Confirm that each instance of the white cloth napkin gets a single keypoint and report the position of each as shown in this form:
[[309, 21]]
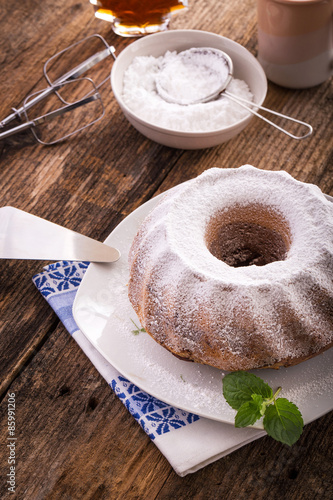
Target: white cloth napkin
[[188, 442]]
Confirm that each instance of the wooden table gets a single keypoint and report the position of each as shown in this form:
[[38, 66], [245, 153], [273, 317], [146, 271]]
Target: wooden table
[[75, 438]]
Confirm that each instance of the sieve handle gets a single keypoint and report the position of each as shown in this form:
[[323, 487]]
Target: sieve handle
[[244, 102]]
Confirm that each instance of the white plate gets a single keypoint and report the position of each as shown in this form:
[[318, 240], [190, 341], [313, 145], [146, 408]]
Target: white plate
[[104, 314]]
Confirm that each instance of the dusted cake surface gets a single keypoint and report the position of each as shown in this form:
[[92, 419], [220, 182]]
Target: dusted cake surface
[[234, 269]]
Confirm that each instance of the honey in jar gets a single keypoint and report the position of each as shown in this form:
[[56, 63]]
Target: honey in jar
[[137, 17]]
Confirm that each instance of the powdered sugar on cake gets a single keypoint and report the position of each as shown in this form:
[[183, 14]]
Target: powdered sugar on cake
[[244, 317]]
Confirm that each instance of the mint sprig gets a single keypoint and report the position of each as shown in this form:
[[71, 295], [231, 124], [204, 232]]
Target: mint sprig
[[253, 399], [137, 328]]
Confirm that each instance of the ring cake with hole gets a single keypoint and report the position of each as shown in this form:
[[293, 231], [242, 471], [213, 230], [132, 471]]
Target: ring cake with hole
[[234, 269]]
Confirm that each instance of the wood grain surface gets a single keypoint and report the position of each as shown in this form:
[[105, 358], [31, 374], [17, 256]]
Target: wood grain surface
[[75, 438]]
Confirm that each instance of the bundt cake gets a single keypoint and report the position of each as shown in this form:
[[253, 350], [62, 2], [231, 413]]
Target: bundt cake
[[234, 269]]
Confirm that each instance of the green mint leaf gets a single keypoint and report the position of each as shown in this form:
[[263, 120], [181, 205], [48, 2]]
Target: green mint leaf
[[238, 388], [257, 399], [247, 414], [260, 402], [283, 421]]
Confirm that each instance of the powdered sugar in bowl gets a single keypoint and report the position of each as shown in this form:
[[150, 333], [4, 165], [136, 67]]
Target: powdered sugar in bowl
[[204, 125]]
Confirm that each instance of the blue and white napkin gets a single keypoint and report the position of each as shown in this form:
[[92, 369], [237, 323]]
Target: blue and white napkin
[[188, 442]]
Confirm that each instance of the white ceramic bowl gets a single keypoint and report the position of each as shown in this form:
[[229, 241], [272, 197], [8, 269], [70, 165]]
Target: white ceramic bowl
[[246, 68]]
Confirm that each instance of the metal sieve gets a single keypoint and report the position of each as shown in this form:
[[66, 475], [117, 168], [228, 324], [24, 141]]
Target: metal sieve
[[217, 67]]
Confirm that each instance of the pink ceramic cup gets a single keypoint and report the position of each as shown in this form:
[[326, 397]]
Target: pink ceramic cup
[[295, 41]]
